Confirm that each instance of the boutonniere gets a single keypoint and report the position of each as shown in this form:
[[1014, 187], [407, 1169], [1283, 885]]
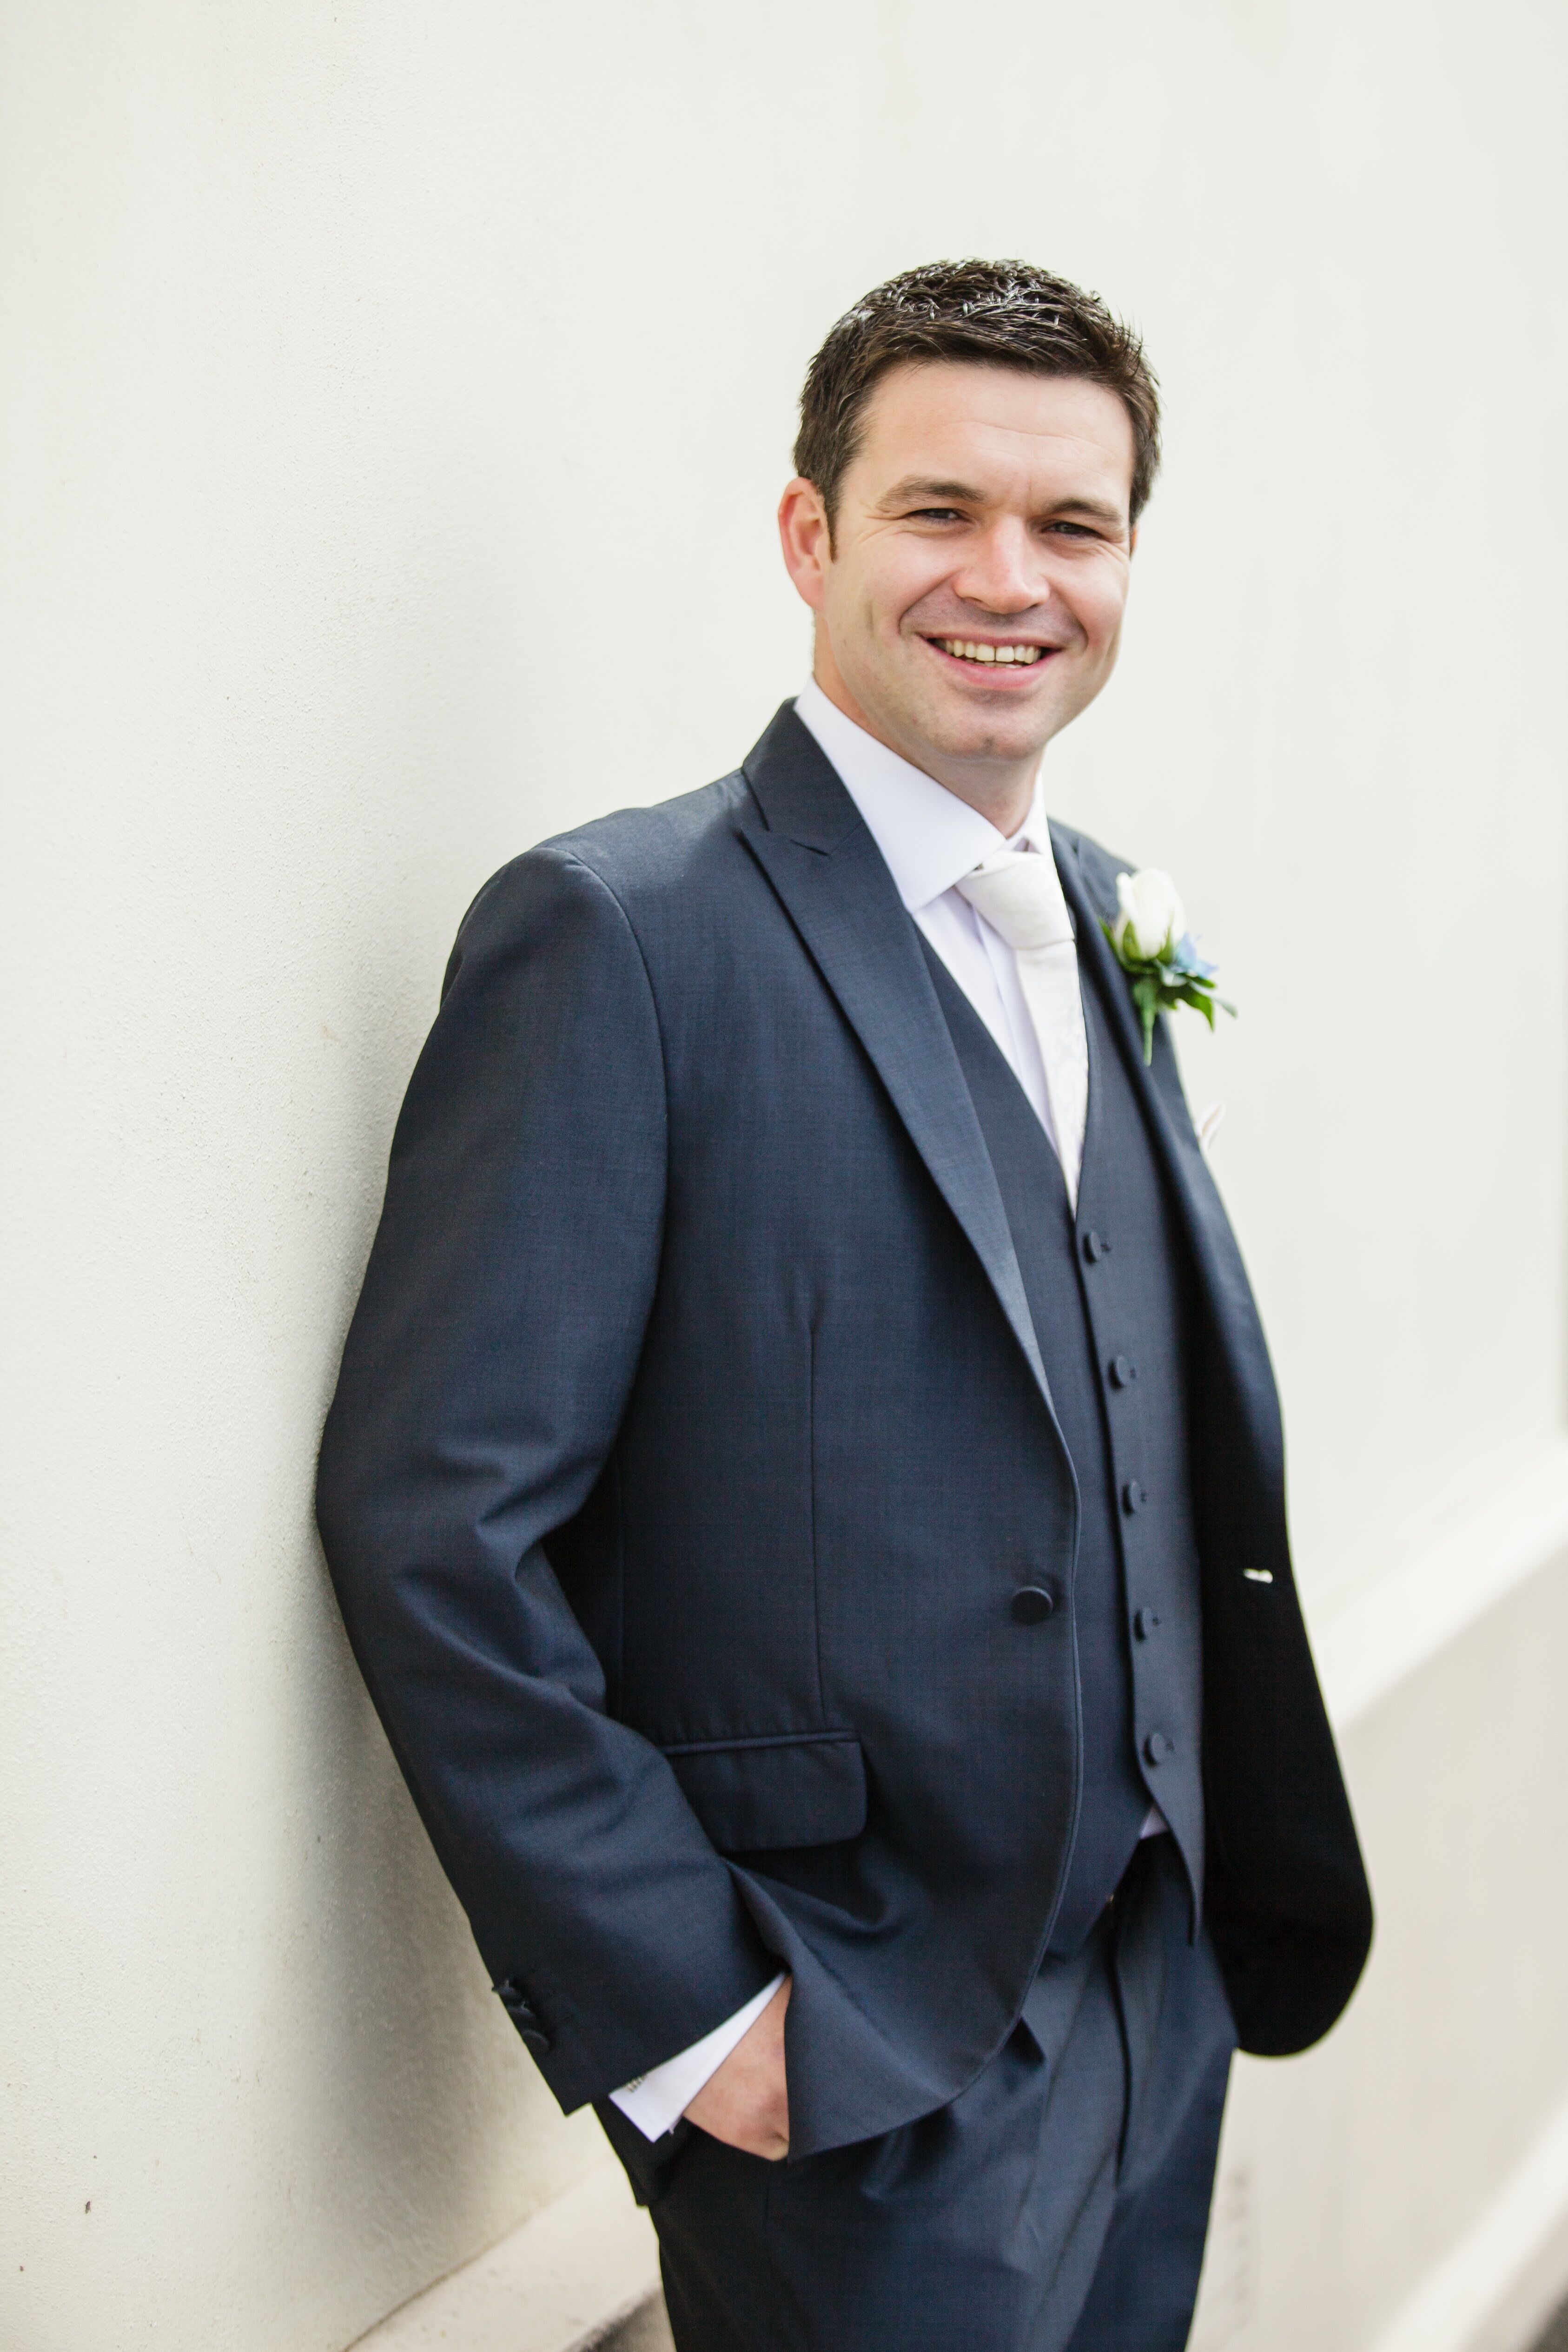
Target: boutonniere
[[1151, 941]]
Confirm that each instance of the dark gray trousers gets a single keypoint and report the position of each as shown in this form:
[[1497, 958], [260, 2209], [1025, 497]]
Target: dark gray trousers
[[1059, 2205]]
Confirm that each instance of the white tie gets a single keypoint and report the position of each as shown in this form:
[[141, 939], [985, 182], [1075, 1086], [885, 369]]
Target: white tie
[[1019, 894]]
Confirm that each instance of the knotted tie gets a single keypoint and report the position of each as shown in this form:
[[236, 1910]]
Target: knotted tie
[[1019, 894]]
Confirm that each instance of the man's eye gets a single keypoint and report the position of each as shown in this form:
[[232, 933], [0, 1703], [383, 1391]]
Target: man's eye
[[1074, 530], [936, 514]]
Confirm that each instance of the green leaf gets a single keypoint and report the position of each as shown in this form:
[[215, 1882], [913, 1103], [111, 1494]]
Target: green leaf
[[1158, 986]]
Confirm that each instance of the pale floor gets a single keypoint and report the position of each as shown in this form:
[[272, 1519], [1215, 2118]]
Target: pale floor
[[649, 2332]]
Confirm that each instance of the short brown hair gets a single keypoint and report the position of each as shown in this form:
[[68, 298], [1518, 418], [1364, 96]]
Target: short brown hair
[[1000, 313]]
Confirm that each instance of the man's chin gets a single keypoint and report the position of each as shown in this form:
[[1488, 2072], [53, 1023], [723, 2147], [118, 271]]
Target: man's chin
[[961, 729], [967, 736]]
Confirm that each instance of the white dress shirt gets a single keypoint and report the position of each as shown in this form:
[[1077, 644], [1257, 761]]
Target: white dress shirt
[[930, 839]]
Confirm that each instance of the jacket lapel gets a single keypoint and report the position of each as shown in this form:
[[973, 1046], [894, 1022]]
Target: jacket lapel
[[1091, 896], [810, 842]]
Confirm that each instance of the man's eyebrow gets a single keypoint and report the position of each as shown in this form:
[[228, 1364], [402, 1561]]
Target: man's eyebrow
[[1098, 509], [920, 488]]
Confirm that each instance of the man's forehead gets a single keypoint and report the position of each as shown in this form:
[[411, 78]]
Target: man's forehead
[[935, 422]]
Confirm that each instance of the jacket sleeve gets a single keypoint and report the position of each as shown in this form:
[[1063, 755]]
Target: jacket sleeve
[[483, 1380]]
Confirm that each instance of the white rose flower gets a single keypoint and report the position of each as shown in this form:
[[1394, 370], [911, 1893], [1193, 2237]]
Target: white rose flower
[[1151, 910]]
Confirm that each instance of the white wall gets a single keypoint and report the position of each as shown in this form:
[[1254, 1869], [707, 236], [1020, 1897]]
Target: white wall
[[394, 402]]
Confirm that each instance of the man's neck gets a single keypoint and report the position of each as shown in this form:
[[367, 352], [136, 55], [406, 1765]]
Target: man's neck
[[1002, 792]]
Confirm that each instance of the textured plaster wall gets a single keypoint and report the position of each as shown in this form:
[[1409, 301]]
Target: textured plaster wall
[[1349, 2174], [393, 401]]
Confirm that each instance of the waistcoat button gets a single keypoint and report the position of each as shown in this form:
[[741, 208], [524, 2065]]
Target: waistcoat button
[[1156, 1747], [535, 2041], [1133, 1497], [1123, 1372], [1095, 1247], [1144, 1623], [1032, 1604]]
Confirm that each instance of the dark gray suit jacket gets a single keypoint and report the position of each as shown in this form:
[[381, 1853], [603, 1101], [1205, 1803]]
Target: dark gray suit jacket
[[691, 1440]]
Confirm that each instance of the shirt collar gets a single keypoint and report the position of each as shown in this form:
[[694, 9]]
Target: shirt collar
[[929, 838]]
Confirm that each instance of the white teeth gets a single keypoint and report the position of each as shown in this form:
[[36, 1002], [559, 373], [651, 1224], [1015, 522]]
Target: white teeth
[[963, 650]]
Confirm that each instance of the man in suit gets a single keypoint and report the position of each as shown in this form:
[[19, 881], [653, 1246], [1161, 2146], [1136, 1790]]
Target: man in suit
[[806, 1487]]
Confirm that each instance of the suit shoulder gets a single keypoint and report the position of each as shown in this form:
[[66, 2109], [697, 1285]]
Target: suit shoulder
[[639, 856], [641, 851]]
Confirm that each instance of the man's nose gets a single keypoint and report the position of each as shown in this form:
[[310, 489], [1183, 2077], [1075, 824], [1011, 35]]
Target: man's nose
[[1004, 571]]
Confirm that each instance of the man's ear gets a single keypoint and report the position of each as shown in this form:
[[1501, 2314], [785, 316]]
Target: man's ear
[[1132, 540], [806, 539]]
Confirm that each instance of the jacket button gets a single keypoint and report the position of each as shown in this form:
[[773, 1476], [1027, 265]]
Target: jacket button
[[1133, 1497], [1095, 1247], [1123, 1372], [520, 2010], [1032, 1604], [1156, 1747], [1144, 1623], [534, 2040]]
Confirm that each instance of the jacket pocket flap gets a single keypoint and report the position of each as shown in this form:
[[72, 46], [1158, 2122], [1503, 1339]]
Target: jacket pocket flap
[[755, 1794]]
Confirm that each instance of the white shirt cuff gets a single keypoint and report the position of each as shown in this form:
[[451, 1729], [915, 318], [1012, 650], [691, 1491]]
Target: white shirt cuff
[[657, 2100]]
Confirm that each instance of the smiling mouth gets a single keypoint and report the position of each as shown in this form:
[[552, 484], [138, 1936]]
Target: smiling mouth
[[980, 653]]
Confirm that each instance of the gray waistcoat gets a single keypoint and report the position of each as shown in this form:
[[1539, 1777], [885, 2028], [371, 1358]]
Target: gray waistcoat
[[1108, 1297]]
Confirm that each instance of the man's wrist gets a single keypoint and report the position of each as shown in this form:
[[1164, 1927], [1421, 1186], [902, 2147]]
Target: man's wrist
[[656, 2101]]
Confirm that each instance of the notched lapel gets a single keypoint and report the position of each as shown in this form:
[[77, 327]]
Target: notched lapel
[[829, 874], [1214, 1244]]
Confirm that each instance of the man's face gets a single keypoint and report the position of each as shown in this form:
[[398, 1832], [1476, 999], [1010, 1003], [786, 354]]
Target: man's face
[[971, 602]]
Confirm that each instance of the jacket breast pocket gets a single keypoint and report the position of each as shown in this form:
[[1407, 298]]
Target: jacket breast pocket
[[751, 1795]]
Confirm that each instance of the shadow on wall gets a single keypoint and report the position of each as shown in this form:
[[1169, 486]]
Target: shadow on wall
[[647, 2330]]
